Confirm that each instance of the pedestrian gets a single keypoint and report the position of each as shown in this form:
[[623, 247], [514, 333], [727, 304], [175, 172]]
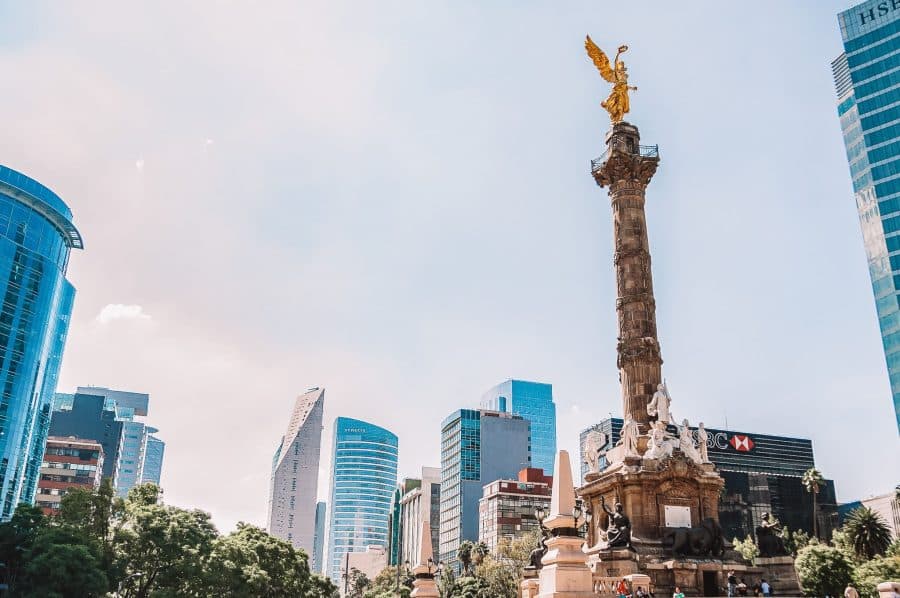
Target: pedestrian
[[678, 593], [850, 592], [742, 588], [765, 587], [622, 589], [756, 589], [732, 584]]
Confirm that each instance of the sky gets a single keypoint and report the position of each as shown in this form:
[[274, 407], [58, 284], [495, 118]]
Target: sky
[[393, 201]]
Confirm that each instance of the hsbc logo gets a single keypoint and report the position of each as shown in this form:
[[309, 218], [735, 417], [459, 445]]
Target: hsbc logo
[[741, 443]]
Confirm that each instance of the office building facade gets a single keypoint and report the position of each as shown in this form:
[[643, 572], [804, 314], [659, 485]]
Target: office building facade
[[68, 463], [139, 455], [507, 508], [315, 558], [477, 446], [867, 81], [363, 480], [534, 402], [420, 499], [87, 417], [36, 236], [887, 506], [294, 482], [763, 474]]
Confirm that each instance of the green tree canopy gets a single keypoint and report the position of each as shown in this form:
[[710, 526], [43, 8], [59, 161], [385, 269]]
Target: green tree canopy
[[868, 575], [823, 570]]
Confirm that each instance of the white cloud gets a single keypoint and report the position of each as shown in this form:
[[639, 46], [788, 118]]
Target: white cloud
[[118, 311], [139, 164]]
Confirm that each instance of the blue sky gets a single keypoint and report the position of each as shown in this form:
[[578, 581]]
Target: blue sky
[[393, 201]]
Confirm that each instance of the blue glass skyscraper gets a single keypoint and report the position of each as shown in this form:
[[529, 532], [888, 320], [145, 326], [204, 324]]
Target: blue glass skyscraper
[[363, 479], [534, 402], [36, 234], [867, 80]]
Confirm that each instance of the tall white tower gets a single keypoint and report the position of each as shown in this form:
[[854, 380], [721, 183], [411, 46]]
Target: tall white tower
[[295, 474]]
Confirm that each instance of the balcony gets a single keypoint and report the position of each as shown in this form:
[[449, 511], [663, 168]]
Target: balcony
[[644, 151]]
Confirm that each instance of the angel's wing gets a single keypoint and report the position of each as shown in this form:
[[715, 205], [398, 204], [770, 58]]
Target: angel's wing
[[601, 61]]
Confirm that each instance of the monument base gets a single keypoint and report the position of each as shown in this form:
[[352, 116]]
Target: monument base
[[530, 586], [565, 573], [779, 571]]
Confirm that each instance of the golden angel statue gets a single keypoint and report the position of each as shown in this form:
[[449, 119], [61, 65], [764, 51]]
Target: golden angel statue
[[617, 103]]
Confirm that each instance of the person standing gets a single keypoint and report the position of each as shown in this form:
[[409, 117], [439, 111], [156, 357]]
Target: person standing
[[851, 592], [678, 593], [766, 588], [622, 589], [732, 584]]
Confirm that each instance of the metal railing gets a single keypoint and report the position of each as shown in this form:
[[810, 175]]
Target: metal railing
[[645, 151]]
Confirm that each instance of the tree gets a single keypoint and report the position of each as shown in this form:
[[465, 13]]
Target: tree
[[17, 537], [250, 562], [385, 584], [162, 550], [464, 555], [747, 548], [794, 540], [823, 570], [62, 563], [813, 481], [868, 575], [867, 532], [358, 583], [471, 587], [479, 551], [503, 571]]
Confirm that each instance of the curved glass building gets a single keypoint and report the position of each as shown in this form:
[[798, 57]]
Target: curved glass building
[[363, 479], [36, 234]]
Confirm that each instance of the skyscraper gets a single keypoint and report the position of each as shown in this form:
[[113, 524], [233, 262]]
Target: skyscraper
[[295, 473], [132, 454], [363, 479], [36, 235], [867, 81], [88, 417], [534, 402], [477, 447]]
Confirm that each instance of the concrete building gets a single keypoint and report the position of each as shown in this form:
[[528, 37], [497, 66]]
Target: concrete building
[[363, 480], [36, 236], [762, 474], [867, 82], [87, 417], [369, 562], [138, 459], [507, 507], [319, 539], [294, 481], [68, 463], [534, 402], [886, 505], [423, 501], [477, 446]]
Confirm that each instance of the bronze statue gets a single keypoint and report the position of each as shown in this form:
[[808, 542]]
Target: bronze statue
[[703, 540], [536, 557], [618, 532], [617, 104], [769, 538]]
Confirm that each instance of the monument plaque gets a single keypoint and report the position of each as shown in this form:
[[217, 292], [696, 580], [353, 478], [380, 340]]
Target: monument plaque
[[678, 516]]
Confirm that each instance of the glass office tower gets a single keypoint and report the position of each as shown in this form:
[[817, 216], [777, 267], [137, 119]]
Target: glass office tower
[[867, 80], [534, 402], [363, 479], [36, 234]]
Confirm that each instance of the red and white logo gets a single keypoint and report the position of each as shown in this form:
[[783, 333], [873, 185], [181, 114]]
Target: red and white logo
[[741, 443]]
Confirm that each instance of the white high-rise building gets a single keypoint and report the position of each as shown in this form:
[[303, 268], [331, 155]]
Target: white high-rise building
[[295, 474]]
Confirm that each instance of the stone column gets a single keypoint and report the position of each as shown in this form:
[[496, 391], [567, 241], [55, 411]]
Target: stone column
[[565, 572], [626, 169]]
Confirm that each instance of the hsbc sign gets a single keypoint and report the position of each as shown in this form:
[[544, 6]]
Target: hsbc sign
[[738, 442]]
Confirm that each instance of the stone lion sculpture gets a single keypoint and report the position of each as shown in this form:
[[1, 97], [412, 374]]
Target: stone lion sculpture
[[703, 540]]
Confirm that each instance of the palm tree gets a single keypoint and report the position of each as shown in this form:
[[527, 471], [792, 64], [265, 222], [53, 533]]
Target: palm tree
[[479, 551], [867, 532], [464, 554], [813, 481]]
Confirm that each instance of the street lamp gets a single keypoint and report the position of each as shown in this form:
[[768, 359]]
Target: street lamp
[[540, 514]]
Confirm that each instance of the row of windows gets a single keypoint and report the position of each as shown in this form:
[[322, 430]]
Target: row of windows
[[75, 466], [876, 68], [875, 36], [880, 118], [876, 51]]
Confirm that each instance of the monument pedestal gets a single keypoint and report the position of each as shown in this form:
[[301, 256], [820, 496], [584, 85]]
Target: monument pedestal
[[530, 586], [565, 573], [779, 571]]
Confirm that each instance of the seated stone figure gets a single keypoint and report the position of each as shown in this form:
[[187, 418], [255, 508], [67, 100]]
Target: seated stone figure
[[618, 532], [769, 539]]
